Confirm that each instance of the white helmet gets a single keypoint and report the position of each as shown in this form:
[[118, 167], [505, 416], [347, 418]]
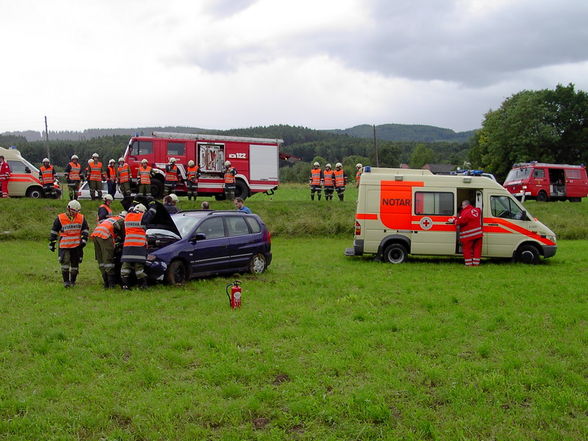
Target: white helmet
[[140, 208], [328, 166], [89, 161], [338, 164], [172, 160], [121, 159], [111, 161], [95, 155], [74, 157], [108, 197], [173, 197], [316, 164], [143, 161], [190, 163], [74, 205], [45, 160], [358, 165], [123, 213], [227, 163]]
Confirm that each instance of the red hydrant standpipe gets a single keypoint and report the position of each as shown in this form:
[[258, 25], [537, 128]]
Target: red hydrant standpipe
[[235, 294]]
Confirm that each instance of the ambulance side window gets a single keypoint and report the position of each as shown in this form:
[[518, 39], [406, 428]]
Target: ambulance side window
[[433, 203], [16, 166], [505, 207]]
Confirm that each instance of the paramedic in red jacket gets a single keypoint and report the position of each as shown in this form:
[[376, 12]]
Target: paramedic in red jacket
[[470, 233]]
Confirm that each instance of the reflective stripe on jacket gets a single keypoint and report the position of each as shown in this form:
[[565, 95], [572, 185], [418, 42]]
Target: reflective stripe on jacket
[[329, 178], [71, 230], [74, 172], [105, 229], [171, 173], [357, 176], [124, 173], [144, 175], [47, 174], [192, 173], [108, 211], [135, 235], [95, 171], [111, 173], [470, 222], [339, 178], [315, 176], [230, 176]]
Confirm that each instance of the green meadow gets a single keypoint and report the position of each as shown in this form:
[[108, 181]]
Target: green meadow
[[325, 347]]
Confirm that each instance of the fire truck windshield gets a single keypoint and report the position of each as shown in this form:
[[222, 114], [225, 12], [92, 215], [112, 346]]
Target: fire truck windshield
[[518, 174]]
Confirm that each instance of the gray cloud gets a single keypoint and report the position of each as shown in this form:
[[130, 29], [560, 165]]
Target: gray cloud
[[224, 8]]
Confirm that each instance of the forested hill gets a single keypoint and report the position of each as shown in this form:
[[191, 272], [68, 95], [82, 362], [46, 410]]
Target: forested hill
[[290, 134], [407, 132]]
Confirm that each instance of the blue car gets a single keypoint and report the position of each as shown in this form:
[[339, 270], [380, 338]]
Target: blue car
[[201, 243]]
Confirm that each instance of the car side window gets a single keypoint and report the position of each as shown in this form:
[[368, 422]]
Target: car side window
[[213, 228], [237, 226], [253, 224]]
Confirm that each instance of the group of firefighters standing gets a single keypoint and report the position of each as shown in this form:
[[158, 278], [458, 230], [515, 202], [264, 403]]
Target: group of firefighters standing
[[330, 180]]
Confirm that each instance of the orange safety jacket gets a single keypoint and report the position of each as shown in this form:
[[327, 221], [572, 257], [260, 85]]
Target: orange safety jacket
[[71, 230], [111, 173], [108, 211], [315, 176], [470, 223], [124, 173], [74, 172], [171, 173], [47, 174], [105, 229], [135, 235], [192, 173], [339, 178], [357, 176], [144, 175], [329, 178], [230, 175], [95, 171]]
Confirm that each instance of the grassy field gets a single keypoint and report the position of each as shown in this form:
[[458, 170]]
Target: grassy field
[[325, 348]]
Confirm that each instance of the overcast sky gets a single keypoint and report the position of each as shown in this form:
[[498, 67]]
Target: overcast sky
[[315, 63]]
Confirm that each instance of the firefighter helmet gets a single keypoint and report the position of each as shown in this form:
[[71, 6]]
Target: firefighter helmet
[[95, 155], [358, 165], [172, 160], [74, 205], [227, 163], [190, 163], [338, 165], [121, 159], [328, 166], [143, 161], [74, 157], [123, 213], [108, 197], [111, 161], [45, 160], [316, 164], [140, 208], [173, 197]]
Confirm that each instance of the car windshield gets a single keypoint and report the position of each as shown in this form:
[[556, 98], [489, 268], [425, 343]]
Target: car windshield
[[186, 223], [518, 174]]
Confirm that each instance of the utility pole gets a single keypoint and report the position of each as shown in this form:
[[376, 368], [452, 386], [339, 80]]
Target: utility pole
[[47, 139], [376, 147]]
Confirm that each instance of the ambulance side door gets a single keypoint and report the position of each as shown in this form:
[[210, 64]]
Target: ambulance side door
[[505, 223], [431, 232]]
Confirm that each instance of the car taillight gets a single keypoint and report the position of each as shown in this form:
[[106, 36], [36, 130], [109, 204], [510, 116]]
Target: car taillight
[[357, 228], [267, 236]]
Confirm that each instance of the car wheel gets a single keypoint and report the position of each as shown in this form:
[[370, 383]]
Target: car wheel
[[258, 264], [35, 192], [395, 253], [542, 196], [241, 190], [176, 273], [528, 254]]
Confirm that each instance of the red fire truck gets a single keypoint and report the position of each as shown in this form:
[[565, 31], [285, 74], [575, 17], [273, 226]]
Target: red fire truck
[[255, 159], [544, 182]]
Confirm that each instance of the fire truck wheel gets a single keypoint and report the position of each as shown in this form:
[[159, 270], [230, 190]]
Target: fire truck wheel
[[176, 273], [241, 190], [257, 264], [35, 192], [528, 254], [395, 253], [542, 196]]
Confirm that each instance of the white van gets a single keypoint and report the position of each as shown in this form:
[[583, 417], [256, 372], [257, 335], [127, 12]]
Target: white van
[[403, 211], [24, 177]]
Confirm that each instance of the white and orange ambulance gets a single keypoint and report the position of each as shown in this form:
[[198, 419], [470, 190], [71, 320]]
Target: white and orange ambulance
[[403, 211], [24, 177]]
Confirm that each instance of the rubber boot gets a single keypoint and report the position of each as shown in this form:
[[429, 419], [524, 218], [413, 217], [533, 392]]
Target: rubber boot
[[142, 283], [312, 196], [105, 280], [125, 283], [66, 282], [72, 278], [112, 281]]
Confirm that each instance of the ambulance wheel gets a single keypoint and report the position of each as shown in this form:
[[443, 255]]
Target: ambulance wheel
[[176, 273], [528, 254], [395, 253], [542, 196], [257, 264], [35, 192]]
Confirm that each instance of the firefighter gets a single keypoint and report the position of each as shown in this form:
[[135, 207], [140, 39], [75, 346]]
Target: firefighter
[[170, 203], [315, 181], [144, 173], [107, 235], [72, 229], [358, 171], [192, 173], [329, 182], [172, 176], [95, 177], [111, 177], [340, 180], [47, 177], [469, 222], [123, 177], [105, 210], [73, 175], [4, 177], [229, 176], [134, 252]]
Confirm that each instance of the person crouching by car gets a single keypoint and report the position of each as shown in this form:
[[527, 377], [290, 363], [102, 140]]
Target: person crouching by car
[[134, 253], [170, 203], [72, 229], [107, 234]]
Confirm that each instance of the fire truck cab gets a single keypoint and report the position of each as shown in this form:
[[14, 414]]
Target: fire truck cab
[[404, 211], [255, 159], [545, 182]]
